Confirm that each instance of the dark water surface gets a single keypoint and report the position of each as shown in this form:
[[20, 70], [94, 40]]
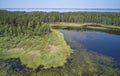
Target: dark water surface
[[100, 42]]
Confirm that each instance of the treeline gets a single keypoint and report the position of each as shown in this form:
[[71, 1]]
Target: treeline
[[87, 17], [21, 23], [37, 23]]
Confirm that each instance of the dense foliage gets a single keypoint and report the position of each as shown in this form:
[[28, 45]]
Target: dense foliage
[[87, 17], [21, 23], [33, 23]]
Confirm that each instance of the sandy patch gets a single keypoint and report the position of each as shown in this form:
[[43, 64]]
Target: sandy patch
[[54, 49], [34, 53], [14, 50]]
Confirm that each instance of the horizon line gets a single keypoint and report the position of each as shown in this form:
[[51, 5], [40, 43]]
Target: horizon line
[[60, 8]]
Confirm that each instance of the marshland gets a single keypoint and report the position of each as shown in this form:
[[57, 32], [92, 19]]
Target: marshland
[[59, 43]]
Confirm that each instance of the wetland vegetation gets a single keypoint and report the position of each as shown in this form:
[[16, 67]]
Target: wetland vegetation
[[31, 44]]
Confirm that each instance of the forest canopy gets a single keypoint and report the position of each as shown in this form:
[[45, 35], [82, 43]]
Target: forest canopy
[[36, 23]]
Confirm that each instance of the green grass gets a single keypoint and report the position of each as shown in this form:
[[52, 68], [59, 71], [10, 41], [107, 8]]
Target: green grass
[[63, 25], [50, 50]]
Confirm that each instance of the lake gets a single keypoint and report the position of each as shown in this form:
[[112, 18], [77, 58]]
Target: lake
[[62, 9], [100, 42]]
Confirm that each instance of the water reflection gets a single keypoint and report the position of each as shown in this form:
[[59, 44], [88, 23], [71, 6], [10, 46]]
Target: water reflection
[[103, 43]]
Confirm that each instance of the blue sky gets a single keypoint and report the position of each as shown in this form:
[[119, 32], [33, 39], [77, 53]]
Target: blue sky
[[59, 3]]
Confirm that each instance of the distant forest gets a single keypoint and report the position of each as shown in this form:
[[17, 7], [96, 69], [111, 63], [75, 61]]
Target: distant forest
[[37, 23]]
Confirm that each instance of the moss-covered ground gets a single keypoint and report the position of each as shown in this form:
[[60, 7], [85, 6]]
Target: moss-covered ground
[[50, 50]]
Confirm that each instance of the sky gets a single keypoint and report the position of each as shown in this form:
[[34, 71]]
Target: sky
[[59, 3]]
